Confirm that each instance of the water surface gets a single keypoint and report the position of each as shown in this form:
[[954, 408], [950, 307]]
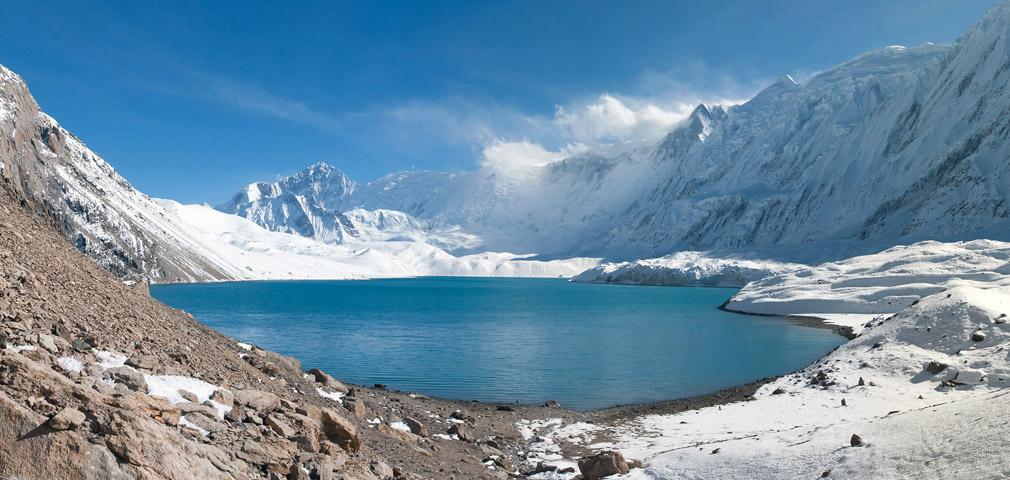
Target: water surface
[[513, 339]]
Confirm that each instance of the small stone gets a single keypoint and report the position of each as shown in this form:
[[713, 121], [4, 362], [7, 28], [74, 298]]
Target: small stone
[[49, 343], [188, 396], [977, 337], [146, 362], [504, 462], [68, 419], [935, 367], [80, 345], [856, 440]]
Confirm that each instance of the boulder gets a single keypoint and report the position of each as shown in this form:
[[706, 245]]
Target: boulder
[[603, 464], [552, 404], [327, 380], [68, 419], [279, 426], [257, 399], [340, 431], [416, 427], [127, 376], [464, 432], [224, 397], [398, 434]]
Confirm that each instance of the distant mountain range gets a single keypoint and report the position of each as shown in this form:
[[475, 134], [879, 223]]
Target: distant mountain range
[[895, 146]]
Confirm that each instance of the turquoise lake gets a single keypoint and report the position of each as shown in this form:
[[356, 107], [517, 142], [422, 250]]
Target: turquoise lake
[[509, 339]]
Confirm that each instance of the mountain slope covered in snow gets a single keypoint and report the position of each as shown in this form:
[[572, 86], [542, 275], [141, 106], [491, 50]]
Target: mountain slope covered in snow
[[895, 146], [54, 174]]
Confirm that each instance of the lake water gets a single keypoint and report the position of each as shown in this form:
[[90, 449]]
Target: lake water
[[506, 340]]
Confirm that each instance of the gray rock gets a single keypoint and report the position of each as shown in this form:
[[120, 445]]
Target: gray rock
[[382, 470], [856, 440], [977, 337], [49, 343], [129, 377]]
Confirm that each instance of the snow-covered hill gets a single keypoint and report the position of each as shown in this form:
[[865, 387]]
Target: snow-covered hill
[[686, 269], [267, 255], [895, 146], [922, 384]]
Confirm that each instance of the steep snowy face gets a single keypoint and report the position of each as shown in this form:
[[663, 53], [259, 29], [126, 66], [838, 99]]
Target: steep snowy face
[[316, 203], [52, 172], [895, 146]]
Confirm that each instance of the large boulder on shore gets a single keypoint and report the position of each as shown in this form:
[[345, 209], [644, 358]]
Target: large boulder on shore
[[340, 431], [603, 464]]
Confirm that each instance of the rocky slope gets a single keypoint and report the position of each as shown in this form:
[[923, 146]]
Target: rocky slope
[[49, 169], [895, 146], [98, 380]]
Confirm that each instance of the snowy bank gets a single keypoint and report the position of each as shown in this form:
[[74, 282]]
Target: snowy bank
[[853, 291], [685, 269], [922, 386]]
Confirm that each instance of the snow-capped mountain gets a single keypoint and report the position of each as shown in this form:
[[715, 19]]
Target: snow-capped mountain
[[48, 170], [51, 172], [308, 204], [895, 146]]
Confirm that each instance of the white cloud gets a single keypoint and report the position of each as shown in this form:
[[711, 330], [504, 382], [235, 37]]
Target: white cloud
[[515, 156], [610, 119]]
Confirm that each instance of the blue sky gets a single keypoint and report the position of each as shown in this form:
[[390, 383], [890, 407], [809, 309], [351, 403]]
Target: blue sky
[[191, 101]]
